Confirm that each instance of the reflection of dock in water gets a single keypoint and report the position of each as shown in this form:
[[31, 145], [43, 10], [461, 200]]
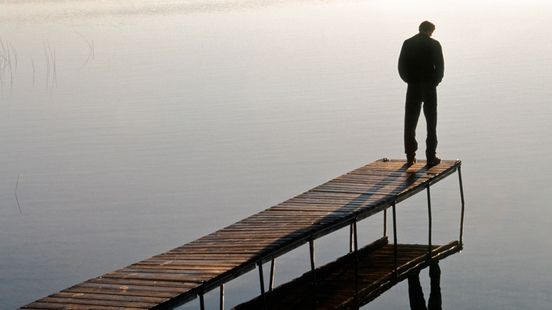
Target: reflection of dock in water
[[175, 277], [353, 280]]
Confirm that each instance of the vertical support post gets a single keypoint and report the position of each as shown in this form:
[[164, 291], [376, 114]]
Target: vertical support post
[[201, 301], [429, 221], [261, 279], [355, 234], [385, 222], [261, 276], [351, 238], [313, 271], [221, 297], [272, 268], [395, 236], [462, 200], [311, 250]]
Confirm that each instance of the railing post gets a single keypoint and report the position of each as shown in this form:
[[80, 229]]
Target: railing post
[[201, 301], [395, 248], [462, 200], [429, 221], [261, 279], [313, 271], [261, 276], [272, 268], [385, 222], [312, 262], [221, 297], [351, 244], [355, 233]]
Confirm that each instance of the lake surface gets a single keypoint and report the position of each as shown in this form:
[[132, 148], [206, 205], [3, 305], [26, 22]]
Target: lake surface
[[128, 128]]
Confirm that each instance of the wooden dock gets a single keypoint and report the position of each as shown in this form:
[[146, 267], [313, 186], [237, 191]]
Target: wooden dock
[[173, 278]]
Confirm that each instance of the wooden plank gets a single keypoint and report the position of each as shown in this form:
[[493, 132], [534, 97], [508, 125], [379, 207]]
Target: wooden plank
[[63, 306], [150, 270], [183, 286], [192, 263], [148, 291], [126, 299], [92, 303], [158, 277]]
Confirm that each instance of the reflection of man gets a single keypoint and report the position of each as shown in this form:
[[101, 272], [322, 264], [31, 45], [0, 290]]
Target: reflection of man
[[416, 295], [421, 65]]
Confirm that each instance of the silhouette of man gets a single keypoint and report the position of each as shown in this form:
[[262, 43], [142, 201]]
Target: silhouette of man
[[416, 294], [421, 65]]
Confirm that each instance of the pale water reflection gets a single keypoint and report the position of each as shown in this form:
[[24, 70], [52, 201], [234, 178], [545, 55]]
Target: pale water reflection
[[129, 128]]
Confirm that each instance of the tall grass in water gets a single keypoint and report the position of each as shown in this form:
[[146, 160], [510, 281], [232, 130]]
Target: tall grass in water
[[8, 65]]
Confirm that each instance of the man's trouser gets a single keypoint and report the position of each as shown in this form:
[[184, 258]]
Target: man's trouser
[[415, 95]]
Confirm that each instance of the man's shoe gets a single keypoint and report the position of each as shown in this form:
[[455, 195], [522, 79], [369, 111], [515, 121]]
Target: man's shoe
[[433, 161], [410, 160]]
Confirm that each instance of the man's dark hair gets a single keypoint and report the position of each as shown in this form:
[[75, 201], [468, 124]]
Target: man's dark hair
[[426, 26]]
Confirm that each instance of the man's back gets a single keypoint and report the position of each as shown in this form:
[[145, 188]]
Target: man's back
[[421, 60]]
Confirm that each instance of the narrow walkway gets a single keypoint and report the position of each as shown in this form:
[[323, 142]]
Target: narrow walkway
[[184, 273]]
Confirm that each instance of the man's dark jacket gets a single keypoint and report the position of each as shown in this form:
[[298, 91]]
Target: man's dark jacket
[[421, 60]]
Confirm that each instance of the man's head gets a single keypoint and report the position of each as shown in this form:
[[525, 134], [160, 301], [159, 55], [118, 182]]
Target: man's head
[[427, 28]]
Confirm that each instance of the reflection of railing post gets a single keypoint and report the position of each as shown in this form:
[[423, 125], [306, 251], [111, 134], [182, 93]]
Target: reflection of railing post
[[462, 200], [429, 221], [395, 237]]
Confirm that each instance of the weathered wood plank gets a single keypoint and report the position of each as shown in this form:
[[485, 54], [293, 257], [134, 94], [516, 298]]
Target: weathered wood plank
[[87, 297], [182, 286], [145, 291], [63, 306], [93, 303]]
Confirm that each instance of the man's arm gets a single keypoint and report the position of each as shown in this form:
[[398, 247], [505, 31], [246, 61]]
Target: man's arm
[[403, 68], [439, 63]]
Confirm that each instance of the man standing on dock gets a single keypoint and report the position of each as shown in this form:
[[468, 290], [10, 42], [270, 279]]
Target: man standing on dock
[[421, 65]]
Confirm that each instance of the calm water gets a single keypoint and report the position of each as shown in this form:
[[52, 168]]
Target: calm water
[[128, 128]]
